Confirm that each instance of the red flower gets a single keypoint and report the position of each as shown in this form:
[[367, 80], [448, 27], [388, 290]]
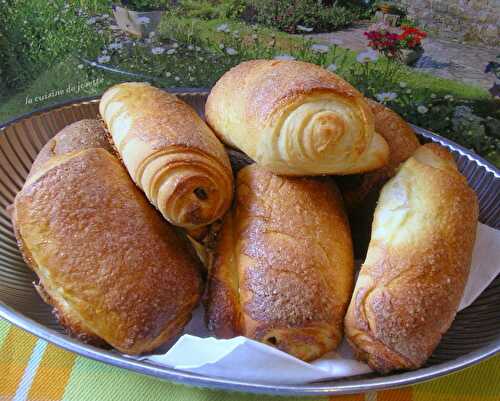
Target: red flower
[[391, 43]]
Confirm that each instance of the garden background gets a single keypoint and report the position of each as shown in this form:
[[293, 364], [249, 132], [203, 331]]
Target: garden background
[[53, 50]]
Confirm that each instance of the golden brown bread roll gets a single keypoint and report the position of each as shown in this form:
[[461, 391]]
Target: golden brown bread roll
[[80, 135], [361, 191], [295, 118], [113, 269], [402, 143], [170, 153], [283, 268], [412, 280]]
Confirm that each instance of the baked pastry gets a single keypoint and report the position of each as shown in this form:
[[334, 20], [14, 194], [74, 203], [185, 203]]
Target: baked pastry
[[295, 118], [283, 266], [402, 143], [170, 153], [361, 191], [80, 135], [113, 269], [412, 280]]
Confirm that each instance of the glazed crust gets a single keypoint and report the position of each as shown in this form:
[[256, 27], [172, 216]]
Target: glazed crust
[[113, 269], [83, 134], [295, 118], [402, 143], [418, 260], [361, 192], [170, 153], [263, 284]]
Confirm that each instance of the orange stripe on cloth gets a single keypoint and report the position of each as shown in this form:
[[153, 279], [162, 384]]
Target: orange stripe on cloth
[[14, 357], [52, 375], [349, 397], [399, 394]]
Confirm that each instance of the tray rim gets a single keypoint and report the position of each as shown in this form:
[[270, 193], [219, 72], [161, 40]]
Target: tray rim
[[337, 387]]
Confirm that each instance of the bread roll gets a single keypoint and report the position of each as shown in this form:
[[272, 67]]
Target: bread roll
[[113, 269], [402, 143], [412, 280], [80, 135], [361, 192], [283, 268], [295, 118], [169, 152]]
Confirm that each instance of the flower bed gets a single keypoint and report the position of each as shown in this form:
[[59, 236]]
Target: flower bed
[[393, 42]]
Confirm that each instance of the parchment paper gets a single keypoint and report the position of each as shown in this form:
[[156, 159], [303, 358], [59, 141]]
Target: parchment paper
[[244, 359]]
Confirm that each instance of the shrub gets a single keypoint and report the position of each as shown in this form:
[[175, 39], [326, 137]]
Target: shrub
[[94, 6], [286, 15], [197, 9], [332, 18], [203, 9], [38, 33], [146, 5]]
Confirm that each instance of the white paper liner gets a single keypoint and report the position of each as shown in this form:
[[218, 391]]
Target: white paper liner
[[243, 359]]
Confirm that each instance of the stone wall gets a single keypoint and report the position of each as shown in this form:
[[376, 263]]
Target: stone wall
[[463, 20]]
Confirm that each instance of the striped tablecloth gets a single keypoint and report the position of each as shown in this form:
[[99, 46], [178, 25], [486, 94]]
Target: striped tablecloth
[[31, 369]]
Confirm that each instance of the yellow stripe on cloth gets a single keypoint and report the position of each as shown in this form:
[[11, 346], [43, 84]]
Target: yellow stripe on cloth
[[52, 375], [399, 394], [15, 354], [351, 397], [476, 383]]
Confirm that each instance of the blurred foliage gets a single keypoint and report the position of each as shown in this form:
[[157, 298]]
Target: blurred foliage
[[38, 33], [146, 5], [284, 15]]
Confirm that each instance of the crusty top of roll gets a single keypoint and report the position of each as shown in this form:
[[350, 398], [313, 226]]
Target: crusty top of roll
[[283, 267], [158, 118], [412, 280], [295, 118], [276, 87], [110, 264], [396, 131], [80, 135], [276, 213], [402, 143], [170, 153]]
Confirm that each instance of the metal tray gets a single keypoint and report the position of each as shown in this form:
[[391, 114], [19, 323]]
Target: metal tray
[[475, 334]]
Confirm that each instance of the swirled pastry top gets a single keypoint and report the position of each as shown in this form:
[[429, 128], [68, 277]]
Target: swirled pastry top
[[170, 153], [295, 118]]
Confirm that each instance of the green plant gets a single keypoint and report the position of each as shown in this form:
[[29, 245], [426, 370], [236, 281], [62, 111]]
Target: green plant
[[232, 9], [207, 10], [391, 40], [197, 9], [287, 15], [332, 18], [406, 21], [94, 6], [453, 118], [145, 5], [37, 33]]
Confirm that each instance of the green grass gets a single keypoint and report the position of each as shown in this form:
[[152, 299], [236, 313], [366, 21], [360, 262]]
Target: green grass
[[64, 76]]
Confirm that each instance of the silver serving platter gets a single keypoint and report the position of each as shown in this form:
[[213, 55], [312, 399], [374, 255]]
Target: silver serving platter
[[474, 335]]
